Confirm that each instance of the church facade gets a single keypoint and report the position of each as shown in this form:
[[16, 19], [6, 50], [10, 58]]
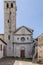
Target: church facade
[[19, 41], [23, 42]]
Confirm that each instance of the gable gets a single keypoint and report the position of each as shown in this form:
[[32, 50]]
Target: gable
[[23, 30]]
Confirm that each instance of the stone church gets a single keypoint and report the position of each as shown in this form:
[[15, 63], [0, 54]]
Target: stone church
[[19, 42]]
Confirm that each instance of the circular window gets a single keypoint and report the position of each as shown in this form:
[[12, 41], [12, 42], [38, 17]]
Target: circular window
[[22, 38]]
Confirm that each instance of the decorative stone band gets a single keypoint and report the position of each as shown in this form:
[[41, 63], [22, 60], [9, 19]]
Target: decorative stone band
[[22, 43]]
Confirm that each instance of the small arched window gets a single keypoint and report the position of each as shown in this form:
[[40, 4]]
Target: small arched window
[[9, 37], [11, 5], [7, 5]]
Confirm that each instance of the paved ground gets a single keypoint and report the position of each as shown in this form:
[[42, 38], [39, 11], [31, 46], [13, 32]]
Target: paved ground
[[12, 61]]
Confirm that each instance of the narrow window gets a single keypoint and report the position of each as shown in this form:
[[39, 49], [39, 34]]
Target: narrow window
[[11, 5], [9, 37], [8, 21], [0, 47], [7, 5], [10, 13]]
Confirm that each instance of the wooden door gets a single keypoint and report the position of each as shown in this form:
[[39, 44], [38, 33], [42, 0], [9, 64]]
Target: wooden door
[[22, 54]]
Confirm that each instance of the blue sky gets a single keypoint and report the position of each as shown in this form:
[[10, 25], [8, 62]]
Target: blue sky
[[29, 13]]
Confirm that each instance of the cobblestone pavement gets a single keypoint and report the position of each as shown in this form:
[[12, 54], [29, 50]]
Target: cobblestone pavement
[[7, 61], [13, 61]]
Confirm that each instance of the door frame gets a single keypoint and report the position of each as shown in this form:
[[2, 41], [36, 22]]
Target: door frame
[[22, 53]]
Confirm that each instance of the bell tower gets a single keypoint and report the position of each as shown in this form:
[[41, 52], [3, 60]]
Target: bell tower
[[9, 24]]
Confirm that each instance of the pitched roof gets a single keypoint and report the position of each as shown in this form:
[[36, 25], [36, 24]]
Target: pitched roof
[[39, 36], [29, 29], [1, 34], [3, 41]]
